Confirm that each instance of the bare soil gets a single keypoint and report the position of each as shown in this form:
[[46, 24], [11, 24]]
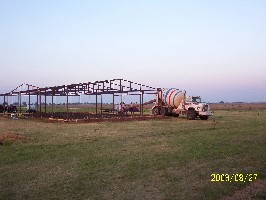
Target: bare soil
[[12, 138], [93, 119]]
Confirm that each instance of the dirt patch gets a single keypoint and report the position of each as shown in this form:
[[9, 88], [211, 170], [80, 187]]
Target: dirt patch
[[12, 138], [256, 190], [108, 119]]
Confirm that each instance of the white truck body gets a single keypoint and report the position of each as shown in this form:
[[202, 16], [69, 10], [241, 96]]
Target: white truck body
[[174, 102]]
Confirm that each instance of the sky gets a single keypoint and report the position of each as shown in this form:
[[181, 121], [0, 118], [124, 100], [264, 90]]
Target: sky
[[215, 49]]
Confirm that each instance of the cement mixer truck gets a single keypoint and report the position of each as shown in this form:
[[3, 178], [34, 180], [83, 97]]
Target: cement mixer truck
[[174, 102]]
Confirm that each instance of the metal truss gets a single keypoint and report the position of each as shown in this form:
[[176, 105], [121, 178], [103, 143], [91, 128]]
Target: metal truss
[[113, 87]]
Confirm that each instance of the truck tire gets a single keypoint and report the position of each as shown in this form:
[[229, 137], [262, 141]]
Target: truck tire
[[191, 114], [164, 112], [203, 117], [175, 115], [156, 111]]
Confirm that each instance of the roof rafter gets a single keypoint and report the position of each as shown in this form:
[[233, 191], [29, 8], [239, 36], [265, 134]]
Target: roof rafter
[[112, 86]]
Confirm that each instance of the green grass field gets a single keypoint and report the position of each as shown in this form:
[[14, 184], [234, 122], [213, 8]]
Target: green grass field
[[171, 158]]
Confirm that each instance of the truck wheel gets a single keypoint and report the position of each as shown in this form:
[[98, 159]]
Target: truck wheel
[[191, 114], [203, 117], [175, 115], [164, 112], [156, 111]]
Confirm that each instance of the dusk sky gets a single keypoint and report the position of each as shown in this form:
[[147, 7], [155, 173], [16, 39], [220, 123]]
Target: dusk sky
[[216, 49]]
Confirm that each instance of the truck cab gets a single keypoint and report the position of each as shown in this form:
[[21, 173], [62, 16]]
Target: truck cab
[[194, 107]]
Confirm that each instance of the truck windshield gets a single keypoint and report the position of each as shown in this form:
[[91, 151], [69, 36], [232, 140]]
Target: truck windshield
[[196, 99]]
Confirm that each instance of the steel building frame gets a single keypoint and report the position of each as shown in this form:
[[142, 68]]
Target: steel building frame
[[113, 87]]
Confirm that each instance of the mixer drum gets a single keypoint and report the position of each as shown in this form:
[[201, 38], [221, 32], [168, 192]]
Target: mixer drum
[[172, 97]]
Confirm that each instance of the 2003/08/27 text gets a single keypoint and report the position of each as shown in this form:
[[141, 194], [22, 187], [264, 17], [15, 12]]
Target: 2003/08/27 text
[[233, 177]]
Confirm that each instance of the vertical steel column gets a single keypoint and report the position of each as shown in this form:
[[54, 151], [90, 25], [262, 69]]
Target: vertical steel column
[[18, 98], [52, 104], [113, 103], [97, 99], [40, 103], [67, 103], [29, 97], [19, 102], [45, 101], [161, 100], [142, 106], [96, 104], [37, 105], [101, 106], [140, 109]]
